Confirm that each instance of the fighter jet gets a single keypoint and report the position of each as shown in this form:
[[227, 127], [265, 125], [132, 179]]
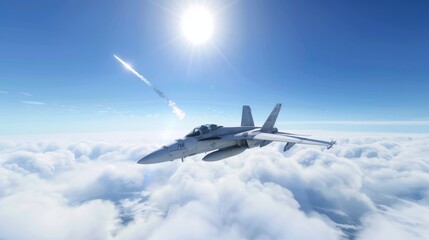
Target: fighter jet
[[223, 142]]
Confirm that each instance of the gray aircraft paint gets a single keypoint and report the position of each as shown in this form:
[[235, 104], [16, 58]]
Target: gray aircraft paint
[[223, 142]]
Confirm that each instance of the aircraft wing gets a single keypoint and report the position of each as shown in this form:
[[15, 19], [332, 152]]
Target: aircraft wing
[[291, 134], [279, 138], [291, 139]]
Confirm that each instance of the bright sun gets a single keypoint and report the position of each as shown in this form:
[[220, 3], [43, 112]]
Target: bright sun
[[197, 25]]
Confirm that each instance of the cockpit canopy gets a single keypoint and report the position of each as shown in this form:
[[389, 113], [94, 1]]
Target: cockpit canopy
[[203, 129]]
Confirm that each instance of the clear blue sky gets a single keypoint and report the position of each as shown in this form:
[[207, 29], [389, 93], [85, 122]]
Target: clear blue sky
[[324, 60]]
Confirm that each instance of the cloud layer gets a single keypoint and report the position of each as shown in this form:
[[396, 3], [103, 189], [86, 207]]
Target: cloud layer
[[90, 188]]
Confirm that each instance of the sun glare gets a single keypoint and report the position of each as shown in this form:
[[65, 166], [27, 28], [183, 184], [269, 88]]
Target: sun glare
[[197, 25]]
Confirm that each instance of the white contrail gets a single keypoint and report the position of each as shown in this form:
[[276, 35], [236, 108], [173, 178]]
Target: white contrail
[[176, 110]]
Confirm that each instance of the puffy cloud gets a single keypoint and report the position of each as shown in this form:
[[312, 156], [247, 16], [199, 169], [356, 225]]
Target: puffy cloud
[[33, 102], [33, 215], [44, 164], [405, 220], [89, 187]]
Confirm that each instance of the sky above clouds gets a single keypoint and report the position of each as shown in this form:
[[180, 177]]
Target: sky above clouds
[[89, 187], [330, 61]]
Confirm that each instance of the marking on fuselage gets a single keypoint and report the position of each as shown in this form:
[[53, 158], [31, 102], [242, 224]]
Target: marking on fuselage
[[180, 145]]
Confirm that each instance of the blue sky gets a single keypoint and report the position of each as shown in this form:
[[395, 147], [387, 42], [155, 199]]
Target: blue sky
[[325, 61]]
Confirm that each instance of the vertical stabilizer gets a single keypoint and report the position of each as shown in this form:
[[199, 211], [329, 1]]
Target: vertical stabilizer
[[246, 117], [271, 120]]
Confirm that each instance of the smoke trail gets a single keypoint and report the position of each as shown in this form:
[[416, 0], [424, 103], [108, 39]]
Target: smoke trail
[[176, 110]]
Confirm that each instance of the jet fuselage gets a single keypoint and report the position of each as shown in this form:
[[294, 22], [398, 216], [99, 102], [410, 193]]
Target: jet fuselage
[[229, 141], [193, 145]]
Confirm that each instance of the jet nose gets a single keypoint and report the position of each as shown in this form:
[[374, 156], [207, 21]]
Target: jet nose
[[155, 157]]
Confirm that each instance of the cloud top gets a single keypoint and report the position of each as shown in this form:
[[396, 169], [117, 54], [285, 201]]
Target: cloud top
[[33, 102], [91, 188]]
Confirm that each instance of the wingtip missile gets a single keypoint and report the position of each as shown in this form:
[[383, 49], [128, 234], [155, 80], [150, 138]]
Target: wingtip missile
[[331, 144]]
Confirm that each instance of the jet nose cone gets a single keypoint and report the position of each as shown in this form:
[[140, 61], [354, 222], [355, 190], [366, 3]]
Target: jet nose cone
[[155, 157]]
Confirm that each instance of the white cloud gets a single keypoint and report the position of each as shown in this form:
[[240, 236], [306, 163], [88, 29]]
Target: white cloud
[[44, 164], [26, 94], [405, 220], [89, 187], [33, 102], [35, 215]]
